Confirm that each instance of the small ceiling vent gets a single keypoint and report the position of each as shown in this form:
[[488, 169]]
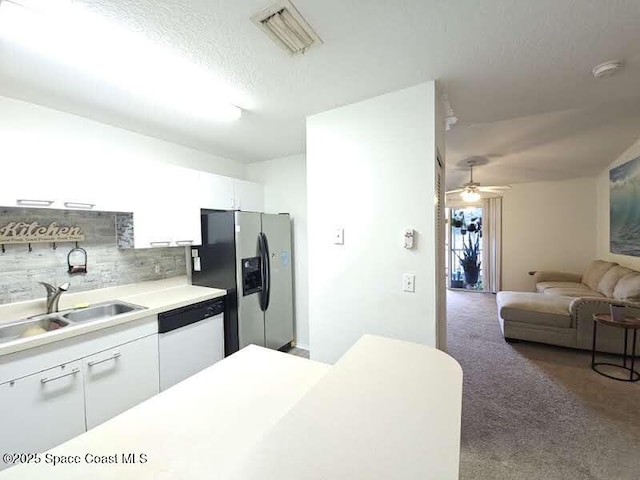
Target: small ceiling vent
[[286, 27]]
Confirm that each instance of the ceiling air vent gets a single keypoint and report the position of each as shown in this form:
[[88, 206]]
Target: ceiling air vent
[[286, 27]]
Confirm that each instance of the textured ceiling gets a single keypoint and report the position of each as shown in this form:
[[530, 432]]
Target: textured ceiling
[[498, 60]]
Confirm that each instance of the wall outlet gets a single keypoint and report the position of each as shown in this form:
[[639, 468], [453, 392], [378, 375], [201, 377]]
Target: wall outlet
[[157, 269], [409, 282]]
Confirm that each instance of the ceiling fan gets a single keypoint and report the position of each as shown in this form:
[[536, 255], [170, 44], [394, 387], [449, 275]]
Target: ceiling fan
[[473, 191]]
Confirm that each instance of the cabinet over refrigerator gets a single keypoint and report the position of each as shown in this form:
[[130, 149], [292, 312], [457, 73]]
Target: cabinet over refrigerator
[[249, 255]]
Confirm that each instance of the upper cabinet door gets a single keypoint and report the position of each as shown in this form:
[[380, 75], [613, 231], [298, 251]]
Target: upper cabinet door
[[166, 212], [216, 192], [185, 228], [249, 196], [67, 185]]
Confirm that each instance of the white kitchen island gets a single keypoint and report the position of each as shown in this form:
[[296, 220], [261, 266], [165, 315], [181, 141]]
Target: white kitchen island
[[387, 409]]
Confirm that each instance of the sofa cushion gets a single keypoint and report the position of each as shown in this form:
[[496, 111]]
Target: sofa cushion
[[542, 286], [533, 308], [628, 288], [595, 272], [572, 292], [610, 279]]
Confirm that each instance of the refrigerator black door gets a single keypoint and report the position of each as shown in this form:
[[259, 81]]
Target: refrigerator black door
[[218, 268]]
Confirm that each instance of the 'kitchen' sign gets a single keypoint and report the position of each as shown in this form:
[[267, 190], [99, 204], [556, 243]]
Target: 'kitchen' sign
[[22, 232]]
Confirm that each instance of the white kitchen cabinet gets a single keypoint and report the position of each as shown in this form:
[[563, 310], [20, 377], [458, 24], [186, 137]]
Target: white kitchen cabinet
[[225, 193], [43, 406], [249, 196], [167, 212], [216, 192], [64, 185], [42, 410], [120, 378]]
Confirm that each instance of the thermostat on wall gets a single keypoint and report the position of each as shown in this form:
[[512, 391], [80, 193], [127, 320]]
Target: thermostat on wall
[[409, 235]]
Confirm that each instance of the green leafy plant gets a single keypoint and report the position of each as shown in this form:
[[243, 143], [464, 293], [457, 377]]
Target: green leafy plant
[[470, 257]]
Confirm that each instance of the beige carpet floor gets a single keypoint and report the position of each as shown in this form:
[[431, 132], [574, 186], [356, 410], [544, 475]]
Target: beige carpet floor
[[532, 411]]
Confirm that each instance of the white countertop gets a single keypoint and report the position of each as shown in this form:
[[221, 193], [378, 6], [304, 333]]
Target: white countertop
[[197, 429], [388, 409], [157, 296]]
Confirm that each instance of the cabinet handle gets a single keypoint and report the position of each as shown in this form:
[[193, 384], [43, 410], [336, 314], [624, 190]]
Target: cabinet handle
[[35, 203], [160, 244], [184, 242], [112, 357], [86, 206], [72, 372]]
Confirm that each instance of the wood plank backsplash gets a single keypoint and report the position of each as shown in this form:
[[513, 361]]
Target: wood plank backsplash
[[107, 265]]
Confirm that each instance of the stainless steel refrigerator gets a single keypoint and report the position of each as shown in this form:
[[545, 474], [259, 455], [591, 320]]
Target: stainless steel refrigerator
[[249, 255]]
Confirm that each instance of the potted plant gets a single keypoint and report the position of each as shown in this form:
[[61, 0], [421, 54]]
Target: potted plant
[[458, 220], [470, 258]]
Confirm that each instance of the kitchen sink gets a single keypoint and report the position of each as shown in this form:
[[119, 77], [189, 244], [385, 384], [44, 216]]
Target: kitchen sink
[[100, 311], [31, 327]]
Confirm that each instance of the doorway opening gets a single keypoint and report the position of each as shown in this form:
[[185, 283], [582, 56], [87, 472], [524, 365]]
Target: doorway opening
[[473, 245], [465, 249]]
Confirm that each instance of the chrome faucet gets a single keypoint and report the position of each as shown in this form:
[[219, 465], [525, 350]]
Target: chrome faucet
[[53, 295]]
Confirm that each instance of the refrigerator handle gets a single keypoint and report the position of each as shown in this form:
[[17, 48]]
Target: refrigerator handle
[[263, 271], [267, 262]]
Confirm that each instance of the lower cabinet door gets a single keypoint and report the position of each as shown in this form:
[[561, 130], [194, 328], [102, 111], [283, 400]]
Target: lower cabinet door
[[120, 378], [42, 410]]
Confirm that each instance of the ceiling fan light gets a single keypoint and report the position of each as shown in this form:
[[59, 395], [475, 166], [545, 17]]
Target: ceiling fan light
[[470, 196]]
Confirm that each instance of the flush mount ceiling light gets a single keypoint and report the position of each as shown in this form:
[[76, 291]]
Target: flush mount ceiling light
[[607, 69], [66, 33], [286, 27]]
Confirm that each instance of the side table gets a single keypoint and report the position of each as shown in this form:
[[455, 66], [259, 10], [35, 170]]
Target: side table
[[628, 323]]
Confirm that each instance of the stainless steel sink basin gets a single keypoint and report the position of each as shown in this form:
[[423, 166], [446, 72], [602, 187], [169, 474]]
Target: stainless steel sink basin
[[100, 311], [31, 327]]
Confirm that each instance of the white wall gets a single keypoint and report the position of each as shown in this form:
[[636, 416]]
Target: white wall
[[83, 142], [547, 226], [370, 169], [604, 251], [285, 190]]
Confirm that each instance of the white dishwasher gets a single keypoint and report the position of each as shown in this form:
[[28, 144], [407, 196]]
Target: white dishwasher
[[190, 339]]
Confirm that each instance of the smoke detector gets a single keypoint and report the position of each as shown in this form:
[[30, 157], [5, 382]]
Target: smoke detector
[[607, 69], [286, 27]]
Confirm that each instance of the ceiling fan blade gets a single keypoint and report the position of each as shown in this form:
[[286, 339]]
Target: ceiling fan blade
[[494, 188], [457, 190]]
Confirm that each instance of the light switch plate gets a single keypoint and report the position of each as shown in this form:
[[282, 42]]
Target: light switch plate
[[409, 283], [338, 236]]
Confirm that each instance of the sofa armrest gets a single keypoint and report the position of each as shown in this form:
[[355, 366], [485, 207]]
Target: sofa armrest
[[553, 276], [583, 308]]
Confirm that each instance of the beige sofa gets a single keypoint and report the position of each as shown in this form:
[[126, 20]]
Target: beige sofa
[[561, 310]]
